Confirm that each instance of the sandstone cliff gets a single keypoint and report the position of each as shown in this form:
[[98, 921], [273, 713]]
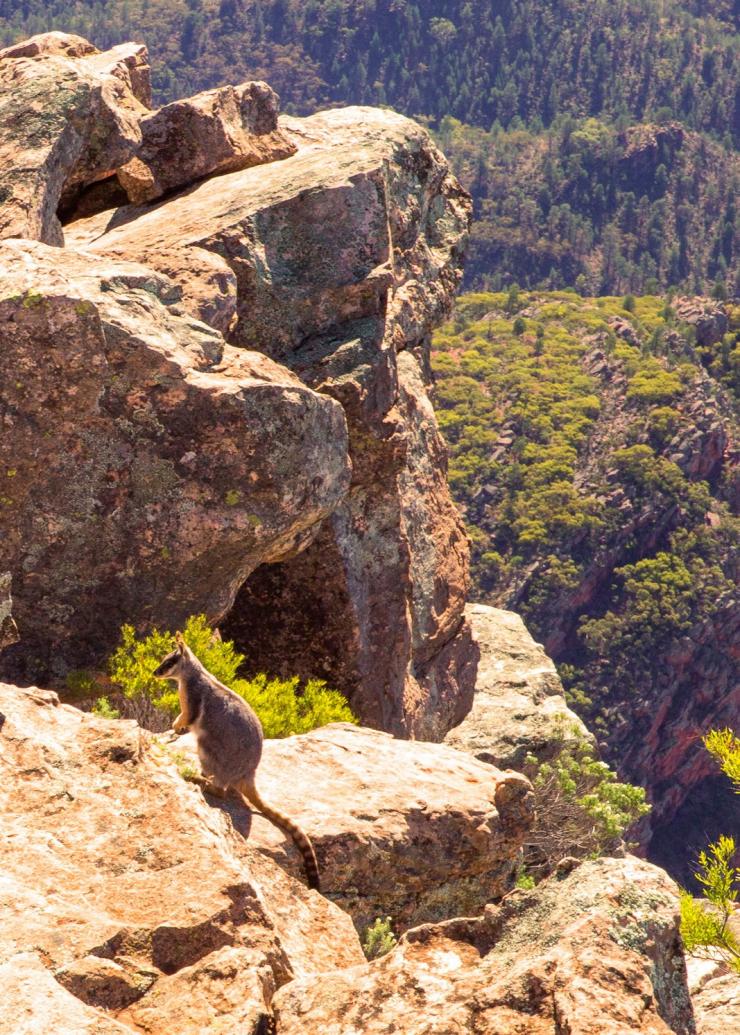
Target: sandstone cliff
[[213, 387], [217, 401]]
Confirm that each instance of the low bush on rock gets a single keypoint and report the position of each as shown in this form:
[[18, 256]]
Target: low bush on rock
[[379, 938], [283, 706], [705, 926], [582, 809]]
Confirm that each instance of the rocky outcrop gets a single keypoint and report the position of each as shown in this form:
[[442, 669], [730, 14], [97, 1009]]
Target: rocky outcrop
[[519, 705], [129, 904], [335, 262], [404, 829], [133, 904], [707, 317], [153, 466], [594, 953]]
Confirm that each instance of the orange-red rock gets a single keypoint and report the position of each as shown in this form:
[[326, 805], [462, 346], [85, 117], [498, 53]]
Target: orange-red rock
[[597, 953]]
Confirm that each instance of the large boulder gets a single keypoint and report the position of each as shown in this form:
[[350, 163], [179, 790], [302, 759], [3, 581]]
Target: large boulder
[[69, 117], [519, 706], [233, 127], [404, 829], [127, 903], [343, 258], [151, 467], [596, 953]]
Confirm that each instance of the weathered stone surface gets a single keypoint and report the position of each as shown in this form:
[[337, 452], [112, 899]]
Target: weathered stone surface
[[598, 953], [717, 1005], [69, 116], [127, 903], [344, 257], [519, 705], [405, 829], [233, 127], [153, 466], [8, 629], [715, 989], [337, 262]]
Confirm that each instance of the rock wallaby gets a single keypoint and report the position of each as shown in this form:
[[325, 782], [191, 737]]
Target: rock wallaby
[[229, 737]]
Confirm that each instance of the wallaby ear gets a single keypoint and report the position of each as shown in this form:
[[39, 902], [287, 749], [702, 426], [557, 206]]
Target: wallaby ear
[[180, 642]]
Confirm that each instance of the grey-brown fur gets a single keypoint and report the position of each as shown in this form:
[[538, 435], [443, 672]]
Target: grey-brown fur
[[229, 737]]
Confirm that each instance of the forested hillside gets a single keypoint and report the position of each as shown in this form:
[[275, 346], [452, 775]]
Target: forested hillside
[[479, 62], [596, 137], [593, 452], [602, 209]]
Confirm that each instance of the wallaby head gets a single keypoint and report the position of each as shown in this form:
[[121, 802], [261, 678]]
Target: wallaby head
[[173, 666]]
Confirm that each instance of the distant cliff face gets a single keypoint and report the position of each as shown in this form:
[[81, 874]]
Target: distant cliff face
[[214, 399]]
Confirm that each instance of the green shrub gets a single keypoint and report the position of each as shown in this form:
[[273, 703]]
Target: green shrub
[[724, 746], [705, 924], [283, 706], [105, 709], [655, 385], [379, 938], [581, 809]]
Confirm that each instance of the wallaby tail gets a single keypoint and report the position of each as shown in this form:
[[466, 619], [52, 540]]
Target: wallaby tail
[[300, 839]]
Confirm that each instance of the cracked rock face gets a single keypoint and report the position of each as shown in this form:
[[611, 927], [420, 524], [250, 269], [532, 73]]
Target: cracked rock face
[[153, 466], [343, 258], [597, 953], [519, 704]]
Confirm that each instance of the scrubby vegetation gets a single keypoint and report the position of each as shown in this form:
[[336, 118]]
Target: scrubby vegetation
[[705, 923], [379, 938], [582, 810], [283, 706], [567, 459]]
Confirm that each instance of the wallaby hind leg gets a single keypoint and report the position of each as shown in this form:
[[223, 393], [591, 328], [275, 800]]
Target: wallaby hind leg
[[301, 840]]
